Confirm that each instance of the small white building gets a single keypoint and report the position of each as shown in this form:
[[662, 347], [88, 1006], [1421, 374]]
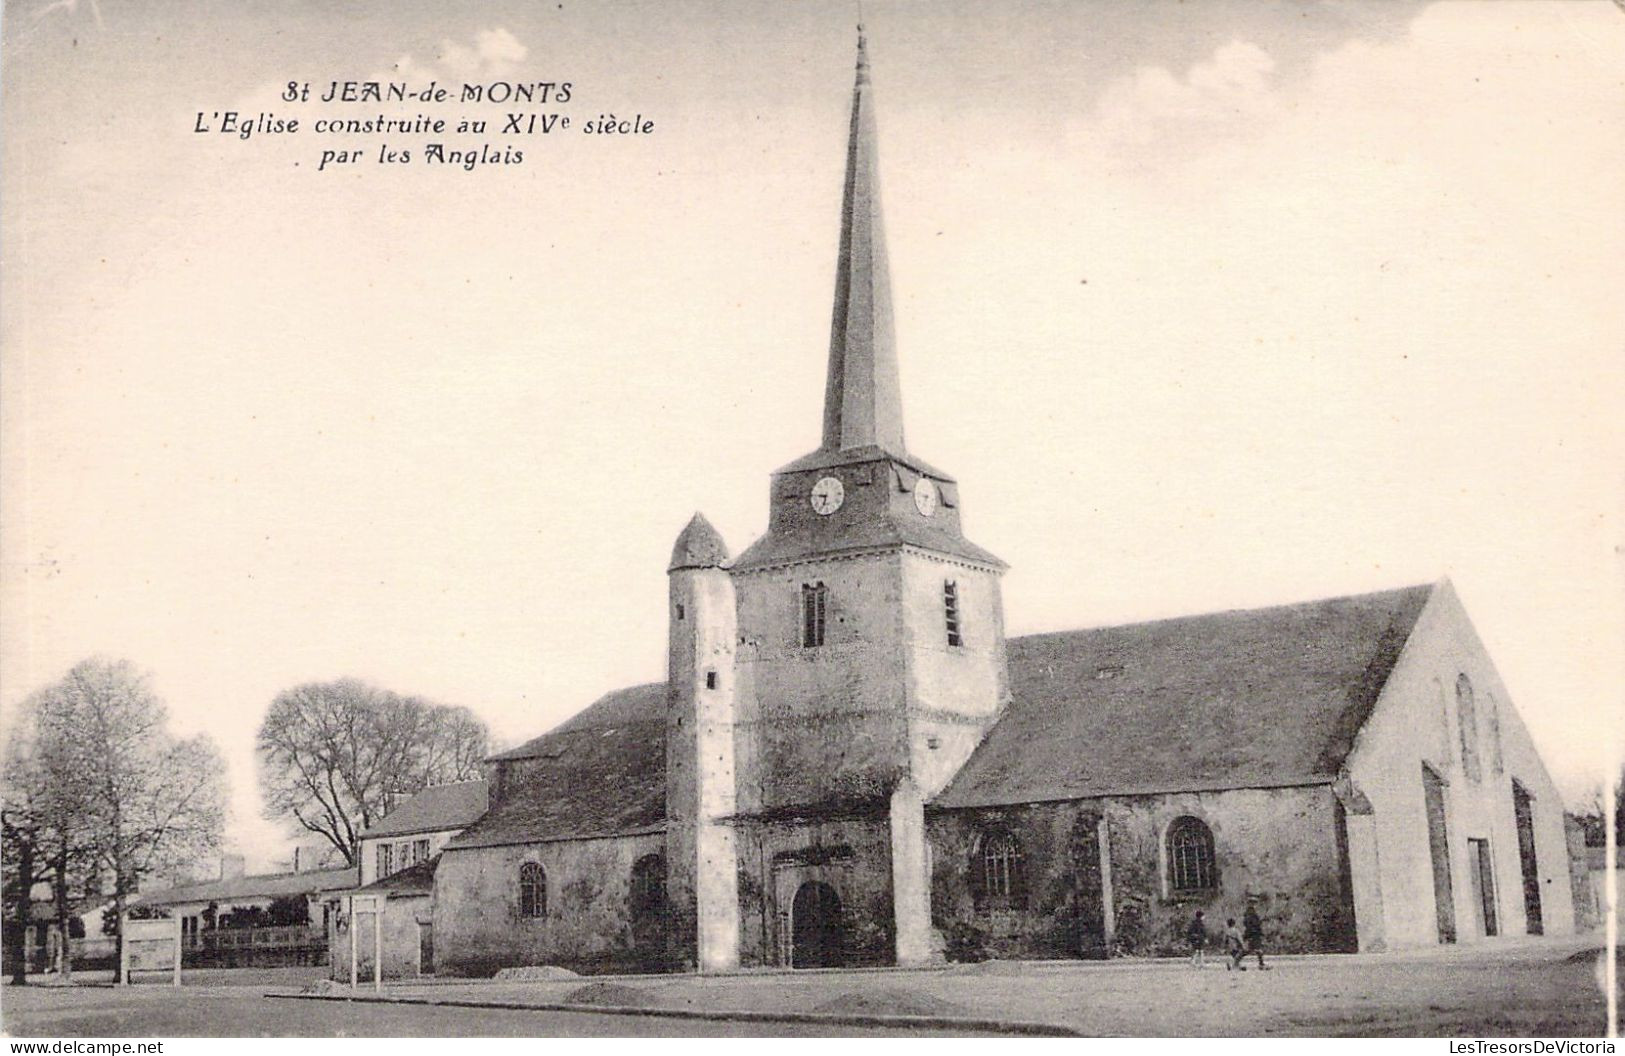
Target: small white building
[[398, 858], [415, 830]]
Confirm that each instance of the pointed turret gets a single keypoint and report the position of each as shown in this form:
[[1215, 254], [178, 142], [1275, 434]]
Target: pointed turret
[[863, 404], [699, 546]]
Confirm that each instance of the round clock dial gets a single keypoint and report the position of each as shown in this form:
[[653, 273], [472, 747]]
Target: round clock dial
[[925, 496], [827, 496]]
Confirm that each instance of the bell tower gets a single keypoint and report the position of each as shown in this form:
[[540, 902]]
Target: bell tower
[[871, 632]]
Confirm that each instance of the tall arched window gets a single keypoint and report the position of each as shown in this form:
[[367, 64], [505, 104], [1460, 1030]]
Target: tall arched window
[[814, 600], [1467, 721], [532, 890], [1192, 865], [997, 869]]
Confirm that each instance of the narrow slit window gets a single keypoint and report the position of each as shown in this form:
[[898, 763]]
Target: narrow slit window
[[710, 680], [950, 611], [813, 601]]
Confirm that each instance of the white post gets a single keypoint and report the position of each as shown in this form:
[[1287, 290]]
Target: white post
[[378, 943], [177, 951], [124, 950], [350, 904]]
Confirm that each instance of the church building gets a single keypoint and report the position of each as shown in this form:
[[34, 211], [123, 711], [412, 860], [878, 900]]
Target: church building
[[849, 763]]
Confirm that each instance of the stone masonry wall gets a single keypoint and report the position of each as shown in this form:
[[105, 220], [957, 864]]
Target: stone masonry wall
[[588, 926], [401, 917], [1277, 847], [852, 855]]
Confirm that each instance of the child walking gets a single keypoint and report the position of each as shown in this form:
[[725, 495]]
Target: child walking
[[1196, 935], [1233, 946], [1252, 933]]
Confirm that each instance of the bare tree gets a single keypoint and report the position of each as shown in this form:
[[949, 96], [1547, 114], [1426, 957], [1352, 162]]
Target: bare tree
[[139, 799], [334, 754], [48, 835]]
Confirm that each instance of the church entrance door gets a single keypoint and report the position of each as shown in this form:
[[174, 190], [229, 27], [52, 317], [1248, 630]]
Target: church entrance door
[[815, 926], [1481, 873]]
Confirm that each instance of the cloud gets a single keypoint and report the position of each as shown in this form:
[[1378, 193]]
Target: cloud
[[494, 53], [1234, 85]]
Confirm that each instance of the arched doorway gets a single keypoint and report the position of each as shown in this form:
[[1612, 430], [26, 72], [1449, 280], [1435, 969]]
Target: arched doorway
[[815, 925], [647, 898]]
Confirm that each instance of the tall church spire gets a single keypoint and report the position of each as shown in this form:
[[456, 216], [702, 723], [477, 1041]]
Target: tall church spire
[[863, 403]]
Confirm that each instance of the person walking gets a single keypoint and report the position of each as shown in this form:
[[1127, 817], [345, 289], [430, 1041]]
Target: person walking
[[1196, 935], [1252, 934]]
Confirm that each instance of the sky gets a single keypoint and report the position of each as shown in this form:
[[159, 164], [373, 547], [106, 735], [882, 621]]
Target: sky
[[1206, 306]]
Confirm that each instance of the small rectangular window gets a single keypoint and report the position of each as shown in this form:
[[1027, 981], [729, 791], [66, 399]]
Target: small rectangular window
[[710, 680], [386, 854], [950, 611], [420, 851], [812, 614], [679, 612]]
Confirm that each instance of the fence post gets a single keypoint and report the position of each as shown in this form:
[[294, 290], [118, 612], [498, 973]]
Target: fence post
[[351, 901], [378, 943]]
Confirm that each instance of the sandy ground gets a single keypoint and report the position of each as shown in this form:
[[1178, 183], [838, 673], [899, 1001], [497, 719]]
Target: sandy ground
[[1523, 988], [1527, 988], [162, 1012]]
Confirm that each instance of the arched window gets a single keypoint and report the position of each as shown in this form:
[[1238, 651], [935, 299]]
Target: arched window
[[649, 886], [1191, 862], [1467, 721], [532, 890], [996, 868]]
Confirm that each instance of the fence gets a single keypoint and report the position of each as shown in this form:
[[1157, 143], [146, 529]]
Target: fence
[[255, 947], [216, 948]]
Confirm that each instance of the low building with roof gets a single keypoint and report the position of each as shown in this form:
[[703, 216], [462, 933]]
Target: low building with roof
[[849, 763], [226, 922]]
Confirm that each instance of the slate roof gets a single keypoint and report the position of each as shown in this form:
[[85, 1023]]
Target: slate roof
[[869, 534], [268, 885], [699, 546], [1259, 698], [1245, 699], [601, 773], [825, 536], [438, 808], [413, 880]]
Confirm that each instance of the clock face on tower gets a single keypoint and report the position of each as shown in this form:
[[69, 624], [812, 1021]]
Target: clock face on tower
[[827, 496], [925, 496]]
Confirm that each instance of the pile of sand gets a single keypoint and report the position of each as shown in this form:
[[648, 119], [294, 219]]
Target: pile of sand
[[535, 973], [886, 1001], [611, 995]]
